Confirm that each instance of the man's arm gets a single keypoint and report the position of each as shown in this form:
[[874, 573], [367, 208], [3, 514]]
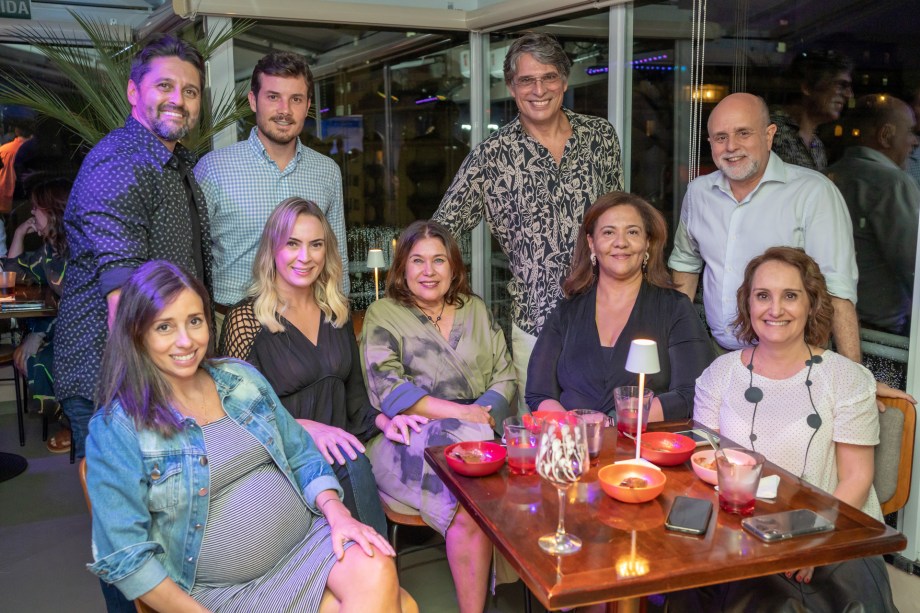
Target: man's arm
[[686, 283], [845, 328], [463, 204]]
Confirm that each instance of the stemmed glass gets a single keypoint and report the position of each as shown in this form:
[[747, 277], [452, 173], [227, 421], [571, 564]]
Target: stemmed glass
[[562, 459]]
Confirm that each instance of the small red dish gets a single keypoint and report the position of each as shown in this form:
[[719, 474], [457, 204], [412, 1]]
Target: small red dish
[[632, 483], [535, 419], [475, 458], [667, 448]]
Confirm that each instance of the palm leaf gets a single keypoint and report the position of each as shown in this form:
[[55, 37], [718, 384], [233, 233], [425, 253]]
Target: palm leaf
[[98, 75]]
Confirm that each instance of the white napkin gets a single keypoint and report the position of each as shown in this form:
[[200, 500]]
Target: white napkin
[[768, 487]]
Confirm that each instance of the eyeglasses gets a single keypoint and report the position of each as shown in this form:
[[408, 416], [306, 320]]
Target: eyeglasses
[[740, 135], [548, 80]]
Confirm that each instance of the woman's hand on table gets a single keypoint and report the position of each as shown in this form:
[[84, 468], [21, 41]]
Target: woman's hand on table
[[398, 428], [346, 528], [331, 441]]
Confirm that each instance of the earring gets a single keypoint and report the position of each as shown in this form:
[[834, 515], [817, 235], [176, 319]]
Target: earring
[[593, 260], [645, 260]]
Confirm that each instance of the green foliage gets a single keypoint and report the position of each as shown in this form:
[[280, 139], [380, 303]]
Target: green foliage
[[96, 103]]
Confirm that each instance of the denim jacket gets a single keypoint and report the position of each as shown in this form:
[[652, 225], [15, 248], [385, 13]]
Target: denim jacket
[[150, 494]]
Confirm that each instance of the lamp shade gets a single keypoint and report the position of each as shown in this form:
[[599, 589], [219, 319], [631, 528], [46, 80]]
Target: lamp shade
[[375, 259], [643, 357]]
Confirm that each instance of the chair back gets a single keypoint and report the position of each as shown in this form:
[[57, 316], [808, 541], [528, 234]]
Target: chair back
[[138, 604], [894, 454]]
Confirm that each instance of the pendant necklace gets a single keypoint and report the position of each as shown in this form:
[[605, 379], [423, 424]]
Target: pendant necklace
[[437, 319]]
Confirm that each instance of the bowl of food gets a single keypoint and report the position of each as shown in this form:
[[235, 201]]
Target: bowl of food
[[631, 483], [667, 448], [475, 458], [704, 465]]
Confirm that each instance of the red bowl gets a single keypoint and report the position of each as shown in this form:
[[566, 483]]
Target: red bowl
[[492, 454], [667, 448], [535, 419]]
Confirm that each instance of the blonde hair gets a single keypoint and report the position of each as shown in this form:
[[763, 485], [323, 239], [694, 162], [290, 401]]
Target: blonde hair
[[327, 291]]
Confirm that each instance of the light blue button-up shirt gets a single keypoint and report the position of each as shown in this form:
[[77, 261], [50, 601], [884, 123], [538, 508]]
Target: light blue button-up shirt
[[242, 186], [791, 206]]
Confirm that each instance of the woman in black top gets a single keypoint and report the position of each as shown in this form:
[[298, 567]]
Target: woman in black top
[[618, 290]]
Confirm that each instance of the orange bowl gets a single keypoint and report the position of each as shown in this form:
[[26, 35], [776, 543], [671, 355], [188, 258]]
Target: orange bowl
[[612, 477], [535, 419], [667, 448], [708, 457], [475, 458]]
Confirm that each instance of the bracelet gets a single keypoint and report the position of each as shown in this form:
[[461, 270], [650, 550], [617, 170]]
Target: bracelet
[[325, 502]]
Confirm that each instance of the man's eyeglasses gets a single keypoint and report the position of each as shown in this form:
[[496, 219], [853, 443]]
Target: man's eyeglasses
[[740, 135], [548, 80]]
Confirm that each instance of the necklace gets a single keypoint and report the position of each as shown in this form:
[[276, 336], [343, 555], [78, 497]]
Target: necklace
[[754, 395], [205, 419], [437, 319]]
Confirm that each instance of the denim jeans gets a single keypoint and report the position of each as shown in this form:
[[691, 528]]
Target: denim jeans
[[78, 410], [360, 488], [115, 601]]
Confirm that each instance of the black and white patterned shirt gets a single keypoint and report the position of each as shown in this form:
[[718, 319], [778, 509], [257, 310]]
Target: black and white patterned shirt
[[133, 201], [790, 147], [533, 206]]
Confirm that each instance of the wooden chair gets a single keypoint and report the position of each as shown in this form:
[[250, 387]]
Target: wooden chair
[[398, 515], [894, 454], [6, 359], [138, 604]]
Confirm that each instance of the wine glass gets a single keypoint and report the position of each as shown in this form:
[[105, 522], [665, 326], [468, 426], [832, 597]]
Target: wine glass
[[561, 460]]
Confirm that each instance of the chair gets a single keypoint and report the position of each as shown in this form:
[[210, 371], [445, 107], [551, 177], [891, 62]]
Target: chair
[[6, 359], [138, 604], [398, 515], [894, 454]]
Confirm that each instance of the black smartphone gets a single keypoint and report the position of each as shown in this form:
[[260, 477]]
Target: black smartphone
[[689, 515], [786, 524]]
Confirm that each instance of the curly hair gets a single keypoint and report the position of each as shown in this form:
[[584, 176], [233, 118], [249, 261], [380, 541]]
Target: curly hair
[[821, 309], [584, 274], [398, 287], [50, 197], [327, 290]]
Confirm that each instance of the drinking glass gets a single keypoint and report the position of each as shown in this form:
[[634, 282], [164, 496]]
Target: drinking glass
[[594, 428], [739, 475], [562, 459], [521, 440], [627, 402]]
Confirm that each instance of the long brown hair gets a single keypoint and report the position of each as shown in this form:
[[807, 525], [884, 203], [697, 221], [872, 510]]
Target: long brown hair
[[584, 275], [821, 311], [128, 374], [398, 287], [50, 197]]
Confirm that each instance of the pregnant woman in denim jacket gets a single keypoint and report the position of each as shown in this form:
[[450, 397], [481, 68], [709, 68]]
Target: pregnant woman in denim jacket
[[206, 494]]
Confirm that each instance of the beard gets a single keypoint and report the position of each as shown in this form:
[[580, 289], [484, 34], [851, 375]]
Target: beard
[[168, 130], [273, 132], [740, 172]]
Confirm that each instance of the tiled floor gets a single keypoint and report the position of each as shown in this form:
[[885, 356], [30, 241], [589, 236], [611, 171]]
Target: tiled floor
[[45, 542]]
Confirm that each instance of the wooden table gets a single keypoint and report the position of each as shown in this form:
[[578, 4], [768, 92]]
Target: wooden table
[[30, 293], [627, 552]]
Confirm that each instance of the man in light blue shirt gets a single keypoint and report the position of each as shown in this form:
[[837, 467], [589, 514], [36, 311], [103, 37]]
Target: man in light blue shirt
[[243, 183], [753, 202]]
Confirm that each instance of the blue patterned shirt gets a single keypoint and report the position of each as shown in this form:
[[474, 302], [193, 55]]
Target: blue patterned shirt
[[242, 186]]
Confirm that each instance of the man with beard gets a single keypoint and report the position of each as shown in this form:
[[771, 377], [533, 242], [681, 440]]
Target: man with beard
[[135, 199], [243, 183], [755, 201]]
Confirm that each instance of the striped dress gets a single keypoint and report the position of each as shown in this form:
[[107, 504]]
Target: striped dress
[[263, 550]]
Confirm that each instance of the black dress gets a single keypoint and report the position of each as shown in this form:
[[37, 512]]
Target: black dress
[[322, 383], [569, 364]]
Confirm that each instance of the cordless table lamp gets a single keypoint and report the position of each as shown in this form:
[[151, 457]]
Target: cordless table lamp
[[642, 359], [375, 260]]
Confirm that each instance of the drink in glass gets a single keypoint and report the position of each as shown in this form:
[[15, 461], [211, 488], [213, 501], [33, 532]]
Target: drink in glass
[[627, 403], [521, 441], [594, 430], [562, 459], [739, 475]]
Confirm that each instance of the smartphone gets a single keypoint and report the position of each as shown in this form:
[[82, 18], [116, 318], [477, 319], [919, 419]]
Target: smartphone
[[698, 437], [786, 525], [689, 515]]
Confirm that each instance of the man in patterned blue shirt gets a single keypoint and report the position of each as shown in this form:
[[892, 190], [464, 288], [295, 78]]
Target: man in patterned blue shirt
[[243, 183]]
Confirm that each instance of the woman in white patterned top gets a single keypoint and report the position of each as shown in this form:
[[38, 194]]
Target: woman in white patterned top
[[807, 409]]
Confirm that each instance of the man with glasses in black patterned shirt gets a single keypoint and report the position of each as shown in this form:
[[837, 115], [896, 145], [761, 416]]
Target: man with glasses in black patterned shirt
[[532, 181]]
